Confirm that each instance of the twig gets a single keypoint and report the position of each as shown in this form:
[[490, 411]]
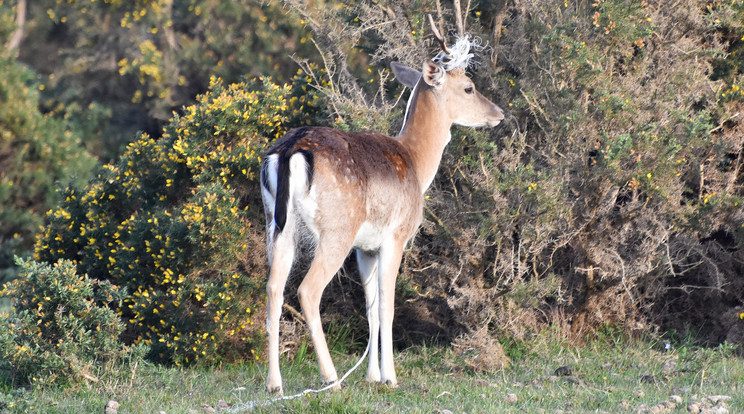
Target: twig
[[297, 315], [458, 19], [17, 37]]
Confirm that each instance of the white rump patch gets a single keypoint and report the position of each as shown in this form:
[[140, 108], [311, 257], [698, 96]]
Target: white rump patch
[[271, 172], [302, 199]]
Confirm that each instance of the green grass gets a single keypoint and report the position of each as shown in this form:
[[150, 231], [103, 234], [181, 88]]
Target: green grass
[[608, 376]]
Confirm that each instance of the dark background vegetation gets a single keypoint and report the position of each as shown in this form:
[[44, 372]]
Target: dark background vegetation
[[609, 198]]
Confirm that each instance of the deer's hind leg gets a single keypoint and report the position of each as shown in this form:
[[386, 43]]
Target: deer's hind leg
[[330, 254], [282, 254]]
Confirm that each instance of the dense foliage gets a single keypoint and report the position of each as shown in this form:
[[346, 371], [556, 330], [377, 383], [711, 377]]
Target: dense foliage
[[174, 220], [122, 66], [37, 153], [613, 193], [60, 329]]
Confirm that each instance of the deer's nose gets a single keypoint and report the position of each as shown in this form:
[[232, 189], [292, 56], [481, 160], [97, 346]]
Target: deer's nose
[[500, 113]]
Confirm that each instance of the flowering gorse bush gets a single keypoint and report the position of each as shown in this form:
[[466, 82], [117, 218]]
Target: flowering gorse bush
[[121, 67], [173, 222], [60, 329]]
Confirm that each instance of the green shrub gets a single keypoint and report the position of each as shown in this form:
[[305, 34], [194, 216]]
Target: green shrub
[[614, 192], [611, 193], [60, 329], [123, 67], [174, 221], [37, 152]]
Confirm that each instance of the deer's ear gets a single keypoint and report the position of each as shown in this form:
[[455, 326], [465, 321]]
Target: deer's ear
[[406, 76], [434, 75]]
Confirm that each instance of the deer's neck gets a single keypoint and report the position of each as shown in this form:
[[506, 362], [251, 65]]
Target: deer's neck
[[425, 133]]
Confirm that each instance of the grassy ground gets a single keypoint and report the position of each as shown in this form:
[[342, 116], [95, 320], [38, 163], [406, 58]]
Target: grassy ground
[[604, 376]]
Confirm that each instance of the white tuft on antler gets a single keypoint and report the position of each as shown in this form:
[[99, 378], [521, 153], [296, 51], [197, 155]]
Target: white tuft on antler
[[458, 56]]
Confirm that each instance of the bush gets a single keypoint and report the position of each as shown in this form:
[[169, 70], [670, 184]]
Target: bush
[[614, 197], [175, 222], [123, 67], [37, 152], [60, 329], [611, 194]]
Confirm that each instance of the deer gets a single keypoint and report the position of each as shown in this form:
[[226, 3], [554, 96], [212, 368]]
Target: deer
[[361, 191]]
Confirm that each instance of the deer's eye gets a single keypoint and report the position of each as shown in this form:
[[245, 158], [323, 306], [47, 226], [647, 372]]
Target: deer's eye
[[469, 90]]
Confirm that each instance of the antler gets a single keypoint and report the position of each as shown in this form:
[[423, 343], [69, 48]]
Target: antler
[[460, 19], [438, 36]]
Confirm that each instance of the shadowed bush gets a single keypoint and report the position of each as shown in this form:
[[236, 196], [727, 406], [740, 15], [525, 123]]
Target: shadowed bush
[[611, 194], [37, 153]]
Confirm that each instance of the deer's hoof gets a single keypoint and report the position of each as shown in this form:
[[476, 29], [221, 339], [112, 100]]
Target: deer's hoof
[[275, 391]]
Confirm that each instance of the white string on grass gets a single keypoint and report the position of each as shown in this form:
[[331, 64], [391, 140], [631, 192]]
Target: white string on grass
[[250, 405]]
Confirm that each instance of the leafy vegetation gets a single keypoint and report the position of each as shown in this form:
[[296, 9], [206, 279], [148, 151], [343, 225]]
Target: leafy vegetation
[[123, 67], [611, 195], [173, 220], [37, 153], [60, 330]]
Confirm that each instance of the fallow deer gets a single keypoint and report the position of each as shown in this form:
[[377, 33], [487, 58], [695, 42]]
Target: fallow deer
[[362, 191]]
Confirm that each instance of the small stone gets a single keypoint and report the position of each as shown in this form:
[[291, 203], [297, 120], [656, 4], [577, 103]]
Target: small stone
[[694, 408], [715, 399], [715, 410], [669, 366], [675, 399], [445, 411], [221, 404], [563, 371], [511, 398], [207, 408], [639, 393], [643, 408], [648, 378], [112, 407], [658, 408]]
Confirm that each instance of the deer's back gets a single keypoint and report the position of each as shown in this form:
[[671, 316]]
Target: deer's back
[[364, 180]]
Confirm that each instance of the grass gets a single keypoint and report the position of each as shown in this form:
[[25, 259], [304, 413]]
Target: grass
[[607, 375]]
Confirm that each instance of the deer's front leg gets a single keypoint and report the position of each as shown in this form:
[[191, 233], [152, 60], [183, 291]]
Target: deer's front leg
[[368, 269], [390, 257]]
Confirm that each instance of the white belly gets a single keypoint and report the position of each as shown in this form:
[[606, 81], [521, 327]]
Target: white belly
[[370, 237]]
